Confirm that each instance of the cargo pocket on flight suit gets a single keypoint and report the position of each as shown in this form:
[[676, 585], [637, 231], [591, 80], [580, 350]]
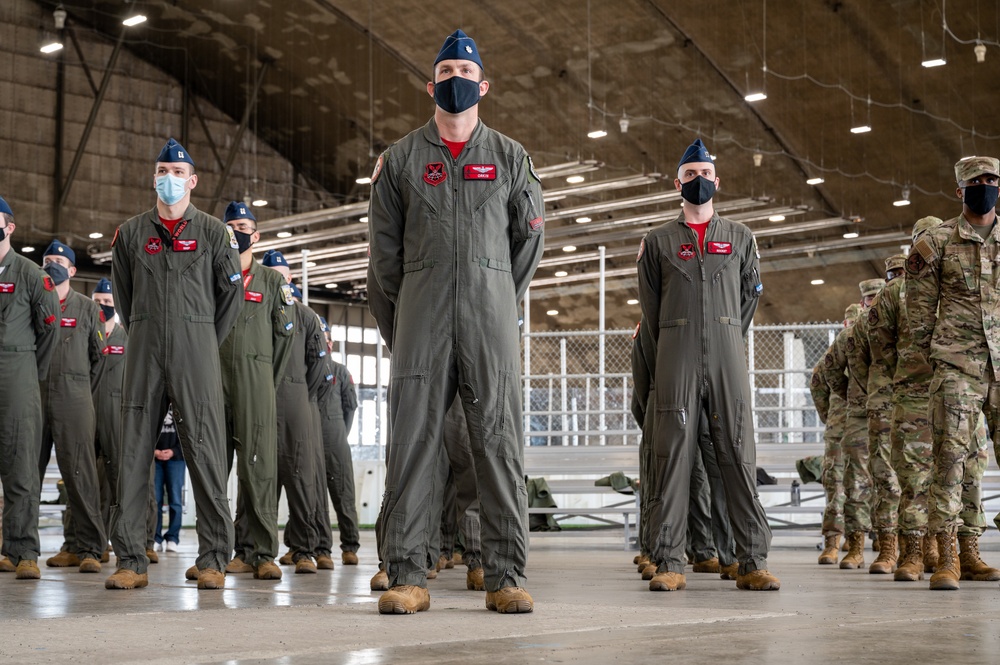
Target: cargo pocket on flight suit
[[729, 445], [409, 391], [671, 424]]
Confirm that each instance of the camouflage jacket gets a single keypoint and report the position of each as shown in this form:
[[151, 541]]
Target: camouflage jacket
[[882, 319], [835, 365], [952, 298], [858, 361]]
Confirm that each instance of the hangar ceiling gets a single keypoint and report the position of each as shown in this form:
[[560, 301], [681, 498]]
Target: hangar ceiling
[[343, 80]]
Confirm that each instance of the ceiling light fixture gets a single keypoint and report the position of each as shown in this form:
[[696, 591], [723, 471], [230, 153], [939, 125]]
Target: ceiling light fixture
[[980, 51], [51, 46], [816, 282], [597, 134], [284, 234], [583, 220], [560, 273], [850, 235], [934, 62], [758, 158], [363, 181], [631, 301], [134, 20], [569, 248], [259, 203], [331, 285], [861, 129], [552, 312], [776, 218], [96, 235], [575, 179], [903, 200], [623, 121], [815, 181], [27, 250], [310, 264], [756, 97]]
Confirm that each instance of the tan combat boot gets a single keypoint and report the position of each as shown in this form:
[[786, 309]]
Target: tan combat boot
[[643, 562], [887, 555], [729, 572], [7, 566], [286, 558], [267, 570], [351, 559], [945, 577], [152, 556], [238, 567], [667, 581], [856, 554], [210, 578], [123, 578], [380, 582], [973, 567], [649, 572], [911, 566], [831, 546], [90, 565], [63, 560], [191, 573], [324, 562], [758, 580], [444, 561], [27, 569], [305, 566], [474, 580], [404, 599], [106, 555], [509, 600], [930, 553], [707, 566]]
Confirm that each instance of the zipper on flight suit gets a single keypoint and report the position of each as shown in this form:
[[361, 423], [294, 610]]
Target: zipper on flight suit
[[455, 257]]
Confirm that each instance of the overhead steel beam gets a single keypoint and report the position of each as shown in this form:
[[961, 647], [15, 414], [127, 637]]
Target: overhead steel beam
[[105, 81], [235, 148], [204, 128], [83, 62]]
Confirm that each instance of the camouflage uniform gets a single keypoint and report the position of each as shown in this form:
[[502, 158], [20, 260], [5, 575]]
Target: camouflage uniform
[[882, 349], [952, 306], [831, 408]]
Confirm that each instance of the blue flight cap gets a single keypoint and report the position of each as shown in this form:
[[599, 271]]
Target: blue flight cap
[[696, 152], [459, 46], [5, 208], [103, 286], [57, 248], [174, 152], [272, 258], [238, 210], [296, 292]]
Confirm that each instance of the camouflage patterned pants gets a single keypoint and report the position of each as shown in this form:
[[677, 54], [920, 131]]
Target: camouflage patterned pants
[[857, 477], [885, 507], [957, 405], [833, 476]]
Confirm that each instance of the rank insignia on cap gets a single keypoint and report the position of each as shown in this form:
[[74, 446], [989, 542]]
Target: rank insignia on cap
[[434, 174], [232, 238], [686, 252], [154, 245], [468, 49], [286, 294]]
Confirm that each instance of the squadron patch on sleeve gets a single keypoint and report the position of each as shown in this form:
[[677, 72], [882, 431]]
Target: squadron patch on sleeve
[[232, 238], [379, 163], [828, 360], [636, 333], [115, 239], [642, 250], [531, 169], [915, 263], [815, 381], [48, 283], [872, 317], [286, 294]]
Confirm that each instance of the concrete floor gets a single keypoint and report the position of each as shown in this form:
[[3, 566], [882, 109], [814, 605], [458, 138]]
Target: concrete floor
[[591, 607]]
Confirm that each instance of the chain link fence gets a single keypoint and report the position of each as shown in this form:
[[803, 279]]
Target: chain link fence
[[578, 385]]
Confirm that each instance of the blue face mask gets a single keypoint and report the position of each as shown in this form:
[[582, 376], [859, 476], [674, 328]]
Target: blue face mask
[[58, 273], [456, 94], [107, 312], [170, 188]]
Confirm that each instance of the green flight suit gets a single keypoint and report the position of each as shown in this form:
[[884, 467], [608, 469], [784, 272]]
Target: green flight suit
[[178, 298], [301, 469], [108, 410], [69, 422], [338, 401], [253, 359], [454, 244], [29, 334], [702, 304]]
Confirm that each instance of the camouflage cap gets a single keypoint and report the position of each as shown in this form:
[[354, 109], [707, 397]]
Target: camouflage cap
[[852, 312], [924, 224], [871, 287], [895, 262], [968, 168]]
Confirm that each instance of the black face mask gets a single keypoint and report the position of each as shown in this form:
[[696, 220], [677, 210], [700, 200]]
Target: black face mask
[[243, 241], [456, 94], [981, 198], [698, 191], [58, 273], [3, 233], [107, 313]]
